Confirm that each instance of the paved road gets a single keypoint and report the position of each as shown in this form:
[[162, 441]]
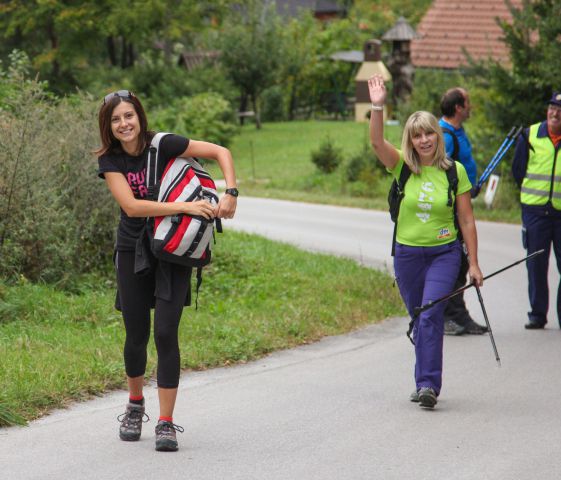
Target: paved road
[[337, 409]]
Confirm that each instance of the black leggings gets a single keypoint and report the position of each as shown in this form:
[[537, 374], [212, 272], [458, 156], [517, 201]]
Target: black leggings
[[136, 295]]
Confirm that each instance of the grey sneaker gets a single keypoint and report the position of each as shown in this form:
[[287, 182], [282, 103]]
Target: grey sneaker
[[473, 328], [131, 422], [452, 328], [166, 440], [414, 397], [427, 397]]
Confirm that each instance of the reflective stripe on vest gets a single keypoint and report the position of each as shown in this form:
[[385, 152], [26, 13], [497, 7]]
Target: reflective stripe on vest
[[537, 187]]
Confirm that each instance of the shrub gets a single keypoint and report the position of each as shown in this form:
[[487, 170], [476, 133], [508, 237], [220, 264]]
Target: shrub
[[207, 116], [273, 100], [328, 157], [56, 217], [363, 164]]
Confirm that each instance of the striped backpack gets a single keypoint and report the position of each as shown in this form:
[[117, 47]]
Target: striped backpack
[[181, 238]]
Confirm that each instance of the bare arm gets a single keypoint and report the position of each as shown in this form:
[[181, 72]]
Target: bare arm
[[227, 204], [385, 151], [133, 207], [466, 223]]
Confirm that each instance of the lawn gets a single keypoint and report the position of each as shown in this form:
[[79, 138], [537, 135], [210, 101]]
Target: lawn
[[276, 162]]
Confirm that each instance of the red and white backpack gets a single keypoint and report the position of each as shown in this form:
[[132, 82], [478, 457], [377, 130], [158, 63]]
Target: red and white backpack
[[181, 238]]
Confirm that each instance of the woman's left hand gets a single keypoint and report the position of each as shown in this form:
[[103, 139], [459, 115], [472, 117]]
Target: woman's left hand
[[475, 275], [227, 206]]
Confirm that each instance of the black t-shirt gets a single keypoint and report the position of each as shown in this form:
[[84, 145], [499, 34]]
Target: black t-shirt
[[134, 170]]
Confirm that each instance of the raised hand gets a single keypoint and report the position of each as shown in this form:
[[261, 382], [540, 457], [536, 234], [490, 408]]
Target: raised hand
[[377, 90]]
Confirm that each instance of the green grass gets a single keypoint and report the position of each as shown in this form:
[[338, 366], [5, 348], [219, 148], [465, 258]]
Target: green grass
[[257, 296], [275, 162]]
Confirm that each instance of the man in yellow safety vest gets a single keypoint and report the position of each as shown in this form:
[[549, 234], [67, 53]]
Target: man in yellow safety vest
[[537, 171]]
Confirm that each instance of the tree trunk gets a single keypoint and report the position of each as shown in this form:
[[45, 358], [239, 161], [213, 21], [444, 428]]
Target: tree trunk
[[256, 111], [130, 55], [111, 51], [123, 53], [54, 45], [292, 103], [243, 108]]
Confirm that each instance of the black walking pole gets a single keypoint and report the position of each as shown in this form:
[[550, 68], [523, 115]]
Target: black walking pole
[[432, 303], [488, 325], [418, 310]]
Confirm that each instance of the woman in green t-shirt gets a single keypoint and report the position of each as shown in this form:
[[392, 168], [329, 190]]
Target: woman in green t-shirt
[[427, 250]]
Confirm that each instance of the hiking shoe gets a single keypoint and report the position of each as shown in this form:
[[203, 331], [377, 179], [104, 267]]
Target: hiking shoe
[[533, 325], [427, 397], [414, 397], [131, 422], [473, 328], [452, 328], [166, 440]]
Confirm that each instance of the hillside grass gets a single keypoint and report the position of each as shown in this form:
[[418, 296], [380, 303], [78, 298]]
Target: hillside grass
[[257, 296]]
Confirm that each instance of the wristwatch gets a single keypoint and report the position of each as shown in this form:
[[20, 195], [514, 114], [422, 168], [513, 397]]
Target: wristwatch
[[232, 191]]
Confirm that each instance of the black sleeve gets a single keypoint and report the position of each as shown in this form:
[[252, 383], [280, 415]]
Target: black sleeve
[[172, 146], [108, 163], [520, 160]]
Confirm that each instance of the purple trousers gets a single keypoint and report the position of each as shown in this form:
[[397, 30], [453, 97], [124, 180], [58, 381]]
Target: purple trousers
[[424, 274]]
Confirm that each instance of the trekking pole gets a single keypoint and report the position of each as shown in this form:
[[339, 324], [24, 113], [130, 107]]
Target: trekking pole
[[501, 152], [418, 310], [497, 358], [496, 158], [505, 141]]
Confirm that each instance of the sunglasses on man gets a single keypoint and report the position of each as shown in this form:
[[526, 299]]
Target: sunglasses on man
[[118, 93]]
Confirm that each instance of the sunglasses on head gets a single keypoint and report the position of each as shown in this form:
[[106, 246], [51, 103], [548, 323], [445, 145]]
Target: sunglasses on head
[[118, 93]]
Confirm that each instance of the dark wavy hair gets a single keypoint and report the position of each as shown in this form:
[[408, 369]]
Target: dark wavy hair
[[109, 144], [454, 96]]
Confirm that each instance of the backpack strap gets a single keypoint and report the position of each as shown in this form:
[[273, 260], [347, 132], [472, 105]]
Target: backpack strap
[[452, 176], [400, 183], [456, 151], [152, 180]]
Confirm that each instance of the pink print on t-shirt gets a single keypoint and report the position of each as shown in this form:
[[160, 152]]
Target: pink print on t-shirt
[[137, 183]]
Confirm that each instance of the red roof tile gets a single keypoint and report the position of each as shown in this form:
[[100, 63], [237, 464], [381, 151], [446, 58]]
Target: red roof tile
[[451, 25]]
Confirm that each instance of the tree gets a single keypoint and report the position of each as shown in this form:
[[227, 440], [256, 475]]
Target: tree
[[251, 51], [65, 37], [518, 91]]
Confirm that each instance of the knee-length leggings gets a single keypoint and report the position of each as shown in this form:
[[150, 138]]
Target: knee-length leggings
[[136, 295]]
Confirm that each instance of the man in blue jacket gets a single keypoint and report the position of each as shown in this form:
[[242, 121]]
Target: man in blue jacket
[[537, 171], [455, 107]]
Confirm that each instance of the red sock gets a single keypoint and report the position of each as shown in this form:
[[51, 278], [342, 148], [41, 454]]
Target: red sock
[[137, 399], [166, 419]]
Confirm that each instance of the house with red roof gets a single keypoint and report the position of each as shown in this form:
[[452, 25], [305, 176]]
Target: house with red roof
[[450, 26]]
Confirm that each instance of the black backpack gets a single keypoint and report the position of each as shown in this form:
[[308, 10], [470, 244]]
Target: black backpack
[[456, 151], [397, 192]]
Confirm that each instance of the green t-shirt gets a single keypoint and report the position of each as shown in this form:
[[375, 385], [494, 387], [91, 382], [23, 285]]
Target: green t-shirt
[[425, 219]]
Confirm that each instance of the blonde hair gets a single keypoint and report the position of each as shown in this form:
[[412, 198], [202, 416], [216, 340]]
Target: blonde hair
[[423, 122]]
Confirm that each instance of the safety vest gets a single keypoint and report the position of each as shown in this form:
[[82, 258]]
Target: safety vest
[[542, 183]]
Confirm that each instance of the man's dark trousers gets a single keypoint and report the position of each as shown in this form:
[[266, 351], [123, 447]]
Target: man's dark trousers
[[456, 307], [541, 228]]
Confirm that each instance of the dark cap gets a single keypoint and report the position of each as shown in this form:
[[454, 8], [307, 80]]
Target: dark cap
[[555, 99]]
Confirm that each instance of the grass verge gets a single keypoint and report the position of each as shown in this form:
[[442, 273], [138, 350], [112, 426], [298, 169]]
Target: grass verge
[[257, 296]]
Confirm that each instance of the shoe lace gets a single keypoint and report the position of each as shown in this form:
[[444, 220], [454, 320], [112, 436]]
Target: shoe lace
[[164, 427], [132, 416]]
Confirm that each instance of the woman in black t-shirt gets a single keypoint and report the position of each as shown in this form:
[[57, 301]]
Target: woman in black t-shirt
[[125, 140]]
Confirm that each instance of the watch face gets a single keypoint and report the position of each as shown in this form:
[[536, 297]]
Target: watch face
[[232, 191]]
